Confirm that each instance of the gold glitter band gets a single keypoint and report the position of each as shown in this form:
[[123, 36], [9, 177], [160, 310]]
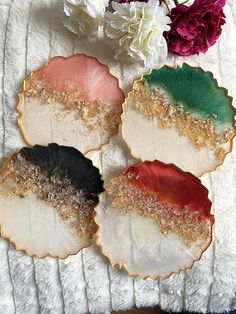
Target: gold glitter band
[[155, 103], [18, 176], [95, 116], [189, 225]]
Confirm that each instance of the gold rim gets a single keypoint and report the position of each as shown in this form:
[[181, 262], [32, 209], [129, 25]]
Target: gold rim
[[125, 104], [21, 249], [124, 266], [21, 96]]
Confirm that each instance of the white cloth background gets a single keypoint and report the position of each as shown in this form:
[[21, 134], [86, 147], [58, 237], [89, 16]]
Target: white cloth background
[[30, 33]]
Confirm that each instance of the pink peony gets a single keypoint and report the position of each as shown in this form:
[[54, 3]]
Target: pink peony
[[195, 28]]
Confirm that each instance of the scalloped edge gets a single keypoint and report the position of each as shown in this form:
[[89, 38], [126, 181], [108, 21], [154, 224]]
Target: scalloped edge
[[22, 91], [123, 266], [124, 105], [21, 249], [102, 150]]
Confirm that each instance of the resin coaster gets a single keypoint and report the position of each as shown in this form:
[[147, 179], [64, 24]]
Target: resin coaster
[[179, 115], [72, 101], [154, 220], [47, 200], [113, 158]]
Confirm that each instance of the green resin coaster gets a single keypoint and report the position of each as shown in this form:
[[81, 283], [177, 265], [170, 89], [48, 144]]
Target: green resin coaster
[[179, 115]]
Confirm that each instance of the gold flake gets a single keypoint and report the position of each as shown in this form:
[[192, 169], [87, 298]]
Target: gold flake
[[201, 132], [18, 176], [220, 153], [96, 115], [187, 224]]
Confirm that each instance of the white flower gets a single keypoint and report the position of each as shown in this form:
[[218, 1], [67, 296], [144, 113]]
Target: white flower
[[171, 3], [83, 17], [137, 31]]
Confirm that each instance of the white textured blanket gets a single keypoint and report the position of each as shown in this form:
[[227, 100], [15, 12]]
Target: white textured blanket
[[31, 32]]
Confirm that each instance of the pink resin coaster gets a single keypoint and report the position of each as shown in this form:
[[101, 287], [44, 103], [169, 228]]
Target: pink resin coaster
[[72, 101]]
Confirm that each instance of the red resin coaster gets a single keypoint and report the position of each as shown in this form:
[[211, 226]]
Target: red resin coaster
[[72, 101], [154, 220]]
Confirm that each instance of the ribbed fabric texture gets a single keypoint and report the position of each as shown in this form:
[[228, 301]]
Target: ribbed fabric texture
[[30, 33]]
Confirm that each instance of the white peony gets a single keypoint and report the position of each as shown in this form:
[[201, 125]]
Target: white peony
[[137, 31], [171, 4], [83, 17]]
